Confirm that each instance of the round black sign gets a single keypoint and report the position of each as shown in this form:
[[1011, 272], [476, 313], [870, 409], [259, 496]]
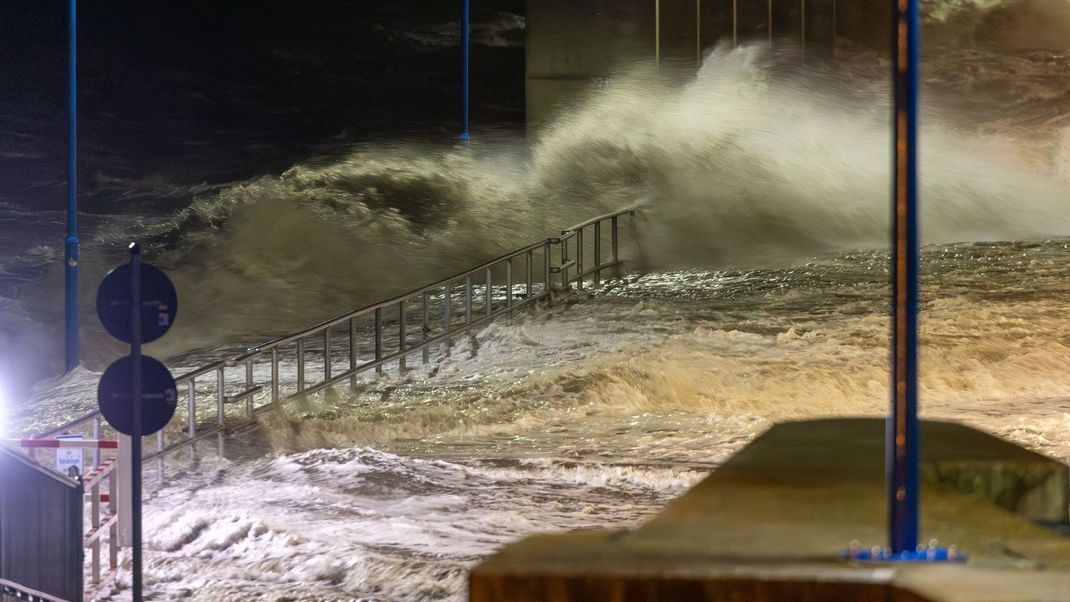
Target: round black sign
[[158, 393], [159, 303]]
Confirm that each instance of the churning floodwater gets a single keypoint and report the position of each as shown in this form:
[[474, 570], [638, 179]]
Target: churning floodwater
[[595, 414], [759, 294]]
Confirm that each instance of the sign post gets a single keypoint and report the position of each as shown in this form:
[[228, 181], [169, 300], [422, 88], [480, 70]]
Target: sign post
[[136, 403], [137, 394]]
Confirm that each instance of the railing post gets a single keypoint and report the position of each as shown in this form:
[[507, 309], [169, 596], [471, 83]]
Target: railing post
[[489, 302], [467, 300], [509, 283], [546, 259], [378, 339], [159, 455], [633, 236], [94, 521], [425, 324], [220, 393], [597, 254], [579, 259], [249, 385], [564, 262], [447, 302], [113, 507], [221, 409], [326, 354], [191, 407], [529, 263], [274, 375], [300, 365], [96, 435], [401, 334], [614, 243], [353, 352]]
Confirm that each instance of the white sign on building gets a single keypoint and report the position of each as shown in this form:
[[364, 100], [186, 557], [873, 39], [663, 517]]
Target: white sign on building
[[69, 460]]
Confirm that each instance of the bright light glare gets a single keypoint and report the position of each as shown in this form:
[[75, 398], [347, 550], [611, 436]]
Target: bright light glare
[[3, 410]]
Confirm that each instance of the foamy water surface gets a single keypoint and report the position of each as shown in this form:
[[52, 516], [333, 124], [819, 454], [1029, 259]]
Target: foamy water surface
[[760, 295], [596, 413]]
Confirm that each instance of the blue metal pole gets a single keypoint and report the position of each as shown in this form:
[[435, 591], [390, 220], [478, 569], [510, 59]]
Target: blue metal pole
[[902, 431], [71, 245], [466, 45], [136, 401]]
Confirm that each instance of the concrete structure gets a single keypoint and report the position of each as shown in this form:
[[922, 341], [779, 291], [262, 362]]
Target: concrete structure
[[771, 524], [572, 46]]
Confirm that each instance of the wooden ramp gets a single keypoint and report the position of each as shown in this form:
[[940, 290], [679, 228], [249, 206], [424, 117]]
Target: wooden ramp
[[771, 524]]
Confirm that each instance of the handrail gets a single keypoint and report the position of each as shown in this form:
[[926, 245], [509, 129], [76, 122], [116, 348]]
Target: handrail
[[629, 211], [356, 313], [445, 325], [575, 234]]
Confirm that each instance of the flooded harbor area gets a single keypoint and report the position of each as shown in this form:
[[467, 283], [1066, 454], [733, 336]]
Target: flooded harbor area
[[753, 286], [595, 413]]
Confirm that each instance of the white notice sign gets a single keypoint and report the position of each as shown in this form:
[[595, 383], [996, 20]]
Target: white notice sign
[[69, 460]]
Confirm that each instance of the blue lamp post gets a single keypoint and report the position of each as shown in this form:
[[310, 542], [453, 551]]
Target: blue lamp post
[[902, 434], [71, 244], [466, 51]]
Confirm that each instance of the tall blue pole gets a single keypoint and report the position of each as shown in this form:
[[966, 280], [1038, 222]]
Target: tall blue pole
[[466, 50], [137, 400], [71, 245], [902, 430]]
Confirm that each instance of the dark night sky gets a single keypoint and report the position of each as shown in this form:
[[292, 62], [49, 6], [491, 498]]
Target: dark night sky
[[218, 90]]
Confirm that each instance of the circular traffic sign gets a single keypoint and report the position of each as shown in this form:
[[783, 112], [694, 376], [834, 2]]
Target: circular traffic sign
[[159, 303], [159, 396]]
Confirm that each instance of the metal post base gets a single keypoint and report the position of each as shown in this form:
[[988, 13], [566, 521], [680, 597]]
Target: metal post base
[[923, 554]]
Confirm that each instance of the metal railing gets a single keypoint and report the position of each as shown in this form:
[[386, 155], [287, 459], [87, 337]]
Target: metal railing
[[576, 246], [102, 521], [370, 338]]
